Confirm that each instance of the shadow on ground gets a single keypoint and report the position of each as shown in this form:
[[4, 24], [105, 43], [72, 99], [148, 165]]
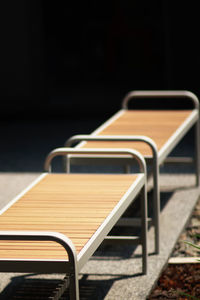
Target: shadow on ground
[[25, 288]]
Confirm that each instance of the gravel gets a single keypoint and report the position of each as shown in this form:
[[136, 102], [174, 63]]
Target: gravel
[[191, 233], [182, 281]]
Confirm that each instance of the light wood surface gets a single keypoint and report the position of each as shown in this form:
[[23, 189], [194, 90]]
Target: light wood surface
[[72, 204], [159, 125]]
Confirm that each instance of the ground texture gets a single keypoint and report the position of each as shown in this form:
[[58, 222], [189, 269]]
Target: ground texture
[[182, 281]]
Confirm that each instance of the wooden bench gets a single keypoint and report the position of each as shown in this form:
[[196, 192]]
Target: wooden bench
[[57, 223], [152, 132]]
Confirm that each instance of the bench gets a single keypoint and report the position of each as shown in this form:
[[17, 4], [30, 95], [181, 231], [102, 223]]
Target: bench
[[58, 222], [152, 132]]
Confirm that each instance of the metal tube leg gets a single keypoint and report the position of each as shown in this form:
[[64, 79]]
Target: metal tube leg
[[156, 205], [73, 287], [197, 152], [144, 229], [67, 164]]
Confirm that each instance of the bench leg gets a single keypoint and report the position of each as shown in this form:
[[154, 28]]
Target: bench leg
[[197, 152], [142, 239], [156, 201], [144, 229], [73, 286], [156, 204]]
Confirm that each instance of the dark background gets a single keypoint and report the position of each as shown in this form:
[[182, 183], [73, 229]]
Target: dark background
[[69, 64], [61, 58]]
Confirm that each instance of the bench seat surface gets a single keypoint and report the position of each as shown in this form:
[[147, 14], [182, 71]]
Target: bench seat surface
[[159, 125], [72, 204]]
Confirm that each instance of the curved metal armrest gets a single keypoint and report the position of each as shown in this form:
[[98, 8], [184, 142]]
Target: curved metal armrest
[[157, 94], [120, 151], [71, 268], [42, 236], [113, 138]]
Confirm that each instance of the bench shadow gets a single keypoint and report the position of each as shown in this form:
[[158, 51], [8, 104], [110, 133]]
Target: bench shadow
[[25, 288]]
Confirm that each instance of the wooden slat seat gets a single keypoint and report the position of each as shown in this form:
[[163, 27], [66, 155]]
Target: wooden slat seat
[[57, 223], [159, 125], [72, 204]]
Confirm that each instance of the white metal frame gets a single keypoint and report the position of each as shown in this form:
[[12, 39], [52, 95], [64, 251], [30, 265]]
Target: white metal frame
[[158, 157], [144, 139], [193, 120], [73, 265]]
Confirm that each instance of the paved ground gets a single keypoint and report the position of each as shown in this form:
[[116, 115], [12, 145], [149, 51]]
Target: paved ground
[[114, 274]]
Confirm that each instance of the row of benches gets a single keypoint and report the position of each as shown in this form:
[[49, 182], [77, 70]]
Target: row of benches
[[58, 222]]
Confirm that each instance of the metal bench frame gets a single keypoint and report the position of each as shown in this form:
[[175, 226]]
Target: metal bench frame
[[73, 265], [158, 157]]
